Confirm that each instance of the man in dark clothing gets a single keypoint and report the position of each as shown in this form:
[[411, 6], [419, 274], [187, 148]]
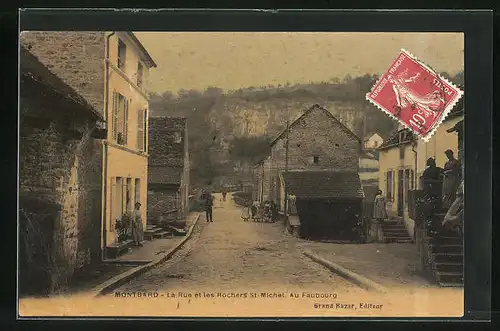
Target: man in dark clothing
[[209, 202], [432, 184]]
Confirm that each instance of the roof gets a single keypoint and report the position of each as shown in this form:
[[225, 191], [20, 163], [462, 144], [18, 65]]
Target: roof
[[143, 50], [307, 112], [165, 175], [393, 140], [32, 69], [324, 184]]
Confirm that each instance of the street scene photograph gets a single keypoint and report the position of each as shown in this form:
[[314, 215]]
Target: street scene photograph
[[241, 174]]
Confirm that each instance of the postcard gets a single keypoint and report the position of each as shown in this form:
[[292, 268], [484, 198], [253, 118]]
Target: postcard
[[241, 174]]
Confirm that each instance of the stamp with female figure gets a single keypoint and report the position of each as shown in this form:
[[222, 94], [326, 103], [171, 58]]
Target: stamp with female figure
[[415, 95]]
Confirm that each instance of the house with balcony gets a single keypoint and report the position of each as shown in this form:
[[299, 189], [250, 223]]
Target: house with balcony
[[315, 161], [402, 162], [110, 70]]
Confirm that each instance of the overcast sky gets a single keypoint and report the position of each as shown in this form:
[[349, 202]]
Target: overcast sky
[[231, 60]]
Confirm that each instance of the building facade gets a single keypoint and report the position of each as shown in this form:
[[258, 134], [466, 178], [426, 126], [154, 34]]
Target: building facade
[[403, 160], [372, 141], [316, 148], [168, 179], [110, 70], [60, 180]]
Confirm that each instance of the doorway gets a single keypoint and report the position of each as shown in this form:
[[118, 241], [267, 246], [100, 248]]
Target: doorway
[[401, 192]]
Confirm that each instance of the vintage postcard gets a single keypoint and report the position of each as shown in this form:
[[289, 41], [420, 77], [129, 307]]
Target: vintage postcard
[[241, 174]]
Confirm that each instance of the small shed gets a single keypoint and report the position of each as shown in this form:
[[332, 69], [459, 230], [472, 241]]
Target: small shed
[[329, 203]]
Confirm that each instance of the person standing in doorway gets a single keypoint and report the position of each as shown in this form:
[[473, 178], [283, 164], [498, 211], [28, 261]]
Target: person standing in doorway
[[137, 228], [379, 211], [209, 202]]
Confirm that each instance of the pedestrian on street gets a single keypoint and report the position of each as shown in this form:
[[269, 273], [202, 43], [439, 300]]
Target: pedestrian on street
[[224, 193], [379, 211], [209, 202], [137, 227]]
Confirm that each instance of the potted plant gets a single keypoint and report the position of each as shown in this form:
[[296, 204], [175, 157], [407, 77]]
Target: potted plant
[[122, 226]]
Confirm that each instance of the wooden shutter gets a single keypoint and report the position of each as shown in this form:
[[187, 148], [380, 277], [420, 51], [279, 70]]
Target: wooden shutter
[[125, 122], [145, 130], [112, 208], [114, 118], [140, 130]]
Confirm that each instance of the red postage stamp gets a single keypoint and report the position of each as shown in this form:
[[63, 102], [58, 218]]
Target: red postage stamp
[[415, 95]]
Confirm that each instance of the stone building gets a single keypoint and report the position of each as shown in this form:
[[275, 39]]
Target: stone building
[[60, 179], [110, 70], [168, 174], [316, 149]]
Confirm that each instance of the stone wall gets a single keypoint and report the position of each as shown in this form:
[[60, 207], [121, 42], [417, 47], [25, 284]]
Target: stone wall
[[77, 57], [60, 190], [164, 147], [160, 202], [317, 134]]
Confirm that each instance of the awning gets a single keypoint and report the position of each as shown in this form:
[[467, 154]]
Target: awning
[[324, 184]]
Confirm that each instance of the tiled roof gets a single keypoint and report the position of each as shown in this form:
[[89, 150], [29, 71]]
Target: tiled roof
[[307, 112], [34, 70], [165, 175], [323, 184], [393, 140]]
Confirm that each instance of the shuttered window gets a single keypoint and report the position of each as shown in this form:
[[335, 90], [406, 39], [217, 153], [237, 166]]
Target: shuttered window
[[120, 119], [140, 130]]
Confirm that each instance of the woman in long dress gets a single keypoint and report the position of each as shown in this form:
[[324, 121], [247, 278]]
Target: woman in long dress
[[379, 211], [451, 179], [137, 227]]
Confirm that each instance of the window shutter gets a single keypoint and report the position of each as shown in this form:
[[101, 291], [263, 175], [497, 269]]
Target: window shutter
[[125, 123], [113, 205], [115, 116], [140, 130], [145, 128]]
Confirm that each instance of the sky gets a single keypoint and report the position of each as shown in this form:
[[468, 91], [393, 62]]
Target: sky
[[233, 60]]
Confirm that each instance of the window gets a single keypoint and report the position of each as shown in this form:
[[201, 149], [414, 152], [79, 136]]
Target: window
[[401, 151], [412, 180], [141, 129], [389, 183], [128, 197], [139, 74], [122, 52], [120, 119], [315, 159], [117, 207], [406, 184], [137, 191]]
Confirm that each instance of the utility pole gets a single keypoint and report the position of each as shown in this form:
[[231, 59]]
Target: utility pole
[[286, 156]]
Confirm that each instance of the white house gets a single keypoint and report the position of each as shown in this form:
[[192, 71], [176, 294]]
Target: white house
[[372, 140]]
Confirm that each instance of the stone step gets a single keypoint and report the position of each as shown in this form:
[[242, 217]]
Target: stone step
[[397, 232], [397, 239], [448, 266], [116, 249], [444, 240], [448, 257], [450, 277], [163, 234], [447, 248], [444, 284]]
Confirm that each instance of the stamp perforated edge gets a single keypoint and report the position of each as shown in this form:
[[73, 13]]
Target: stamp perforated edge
[[443, 115]]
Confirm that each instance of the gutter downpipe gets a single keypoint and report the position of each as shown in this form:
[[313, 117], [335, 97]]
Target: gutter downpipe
[[415, 183], [105, 149]]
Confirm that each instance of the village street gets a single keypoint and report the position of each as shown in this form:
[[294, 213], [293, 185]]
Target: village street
[[230, 254]]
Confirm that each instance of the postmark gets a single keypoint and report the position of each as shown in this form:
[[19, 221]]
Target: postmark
[[415, 95]]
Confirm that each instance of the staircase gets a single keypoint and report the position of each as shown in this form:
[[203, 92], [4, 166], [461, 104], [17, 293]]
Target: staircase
[[155, 232], [395, 231], [445, 256]]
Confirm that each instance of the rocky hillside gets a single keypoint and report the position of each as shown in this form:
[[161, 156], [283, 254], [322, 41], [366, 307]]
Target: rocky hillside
[[215, 118]]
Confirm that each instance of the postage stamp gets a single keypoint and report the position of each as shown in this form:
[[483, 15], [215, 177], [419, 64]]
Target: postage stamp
[[415, 95]]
